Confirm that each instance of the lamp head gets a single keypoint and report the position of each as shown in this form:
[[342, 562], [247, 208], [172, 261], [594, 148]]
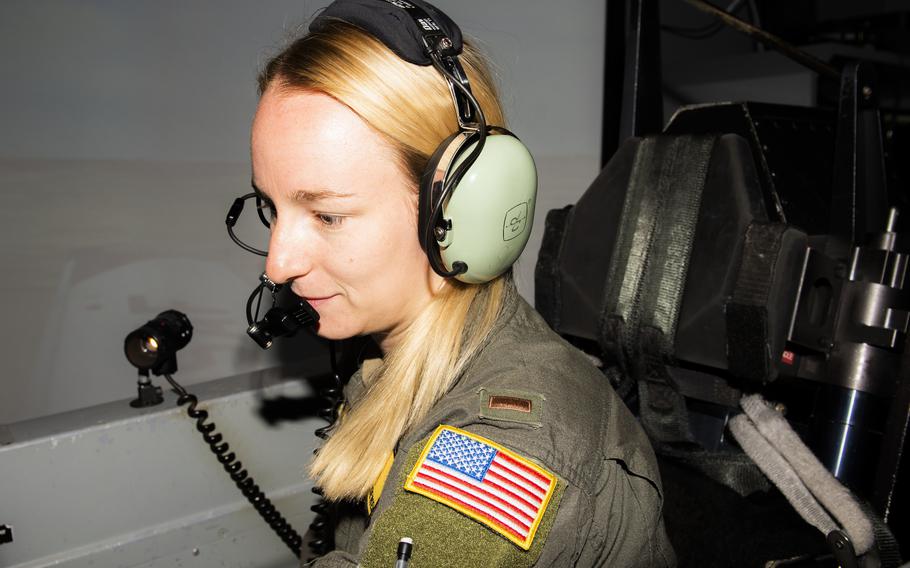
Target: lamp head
[[153, 347]]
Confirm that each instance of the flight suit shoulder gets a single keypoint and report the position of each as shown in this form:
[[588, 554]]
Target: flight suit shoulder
[[540, 395], [579, 406]]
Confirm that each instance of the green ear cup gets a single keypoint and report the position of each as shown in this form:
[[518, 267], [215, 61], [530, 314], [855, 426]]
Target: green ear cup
[[491, 210]]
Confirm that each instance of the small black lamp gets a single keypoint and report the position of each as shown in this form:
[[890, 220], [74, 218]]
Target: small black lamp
[[153, 347]]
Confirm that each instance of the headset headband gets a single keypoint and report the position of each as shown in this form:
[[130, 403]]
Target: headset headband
[[405, 36], [417, 32]]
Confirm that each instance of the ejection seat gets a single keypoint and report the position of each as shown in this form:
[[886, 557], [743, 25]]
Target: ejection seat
[[680, 271]]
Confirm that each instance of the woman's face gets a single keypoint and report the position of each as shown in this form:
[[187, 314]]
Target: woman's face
[[344, 228]]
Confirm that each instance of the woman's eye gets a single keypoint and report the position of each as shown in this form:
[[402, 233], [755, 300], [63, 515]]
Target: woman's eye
[[330, 220]]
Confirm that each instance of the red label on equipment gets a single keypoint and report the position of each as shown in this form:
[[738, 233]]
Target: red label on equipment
[[787, 357]]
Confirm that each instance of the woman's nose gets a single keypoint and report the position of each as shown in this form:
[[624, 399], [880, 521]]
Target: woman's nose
[[287, 259]]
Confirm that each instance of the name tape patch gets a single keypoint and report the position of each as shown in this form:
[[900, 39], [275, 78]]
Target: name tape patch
[[510, 403]]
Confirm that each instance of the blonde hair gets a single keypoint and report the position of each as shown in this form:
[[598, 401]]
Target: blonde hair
[[412, 108]]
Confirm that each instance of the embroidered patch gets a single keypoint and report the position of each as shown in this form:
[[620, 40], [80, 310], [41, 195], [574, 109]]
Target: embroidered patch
[[376, 491], [488, 483], [510, 403]]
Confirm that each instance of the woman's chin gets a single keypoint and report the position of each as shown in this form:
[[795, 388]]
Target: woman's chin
[[333, 333]]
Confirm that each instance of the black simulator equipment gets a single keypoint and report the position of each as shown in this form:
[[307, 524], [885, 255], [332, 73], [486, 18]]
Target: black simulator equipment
[[741, 248]]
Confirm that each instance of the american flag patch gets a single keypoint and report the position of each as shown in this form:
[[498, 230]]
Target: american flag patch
[[484, 481]]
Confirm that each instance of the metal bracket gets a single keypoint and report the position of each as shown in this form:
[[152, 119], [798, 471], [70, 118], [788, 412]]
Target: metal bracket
[[451, 68], [842, 549], [859, 195]]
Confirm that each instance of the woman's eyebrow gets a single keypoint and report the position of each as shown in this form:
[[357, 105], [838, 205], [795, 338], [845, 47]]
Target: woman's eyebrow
[[319, 194], [304, 195]]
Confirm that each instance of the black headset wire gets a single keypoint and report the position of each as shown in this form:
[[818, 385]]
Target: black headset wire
[[250, 317], [322, 540], [268, 225], [245, 246], [258, 303], [322, 525], [234, 468], [234, 214]]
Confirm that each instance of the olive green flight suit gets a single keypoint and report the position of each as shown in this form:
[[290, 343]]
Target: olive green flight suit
[[606, 509]]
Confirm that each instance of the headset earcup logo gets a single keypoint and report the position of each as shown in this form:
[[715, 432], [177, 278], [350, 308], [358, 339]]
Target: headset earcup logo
[[515, 221]]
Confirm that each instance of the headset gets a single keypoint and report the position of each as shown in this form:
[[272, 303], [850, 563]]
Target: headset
[[478, 191]]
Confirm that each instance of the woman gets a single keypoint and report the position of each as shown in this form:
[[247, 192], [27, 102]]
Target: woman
[[478, 433]]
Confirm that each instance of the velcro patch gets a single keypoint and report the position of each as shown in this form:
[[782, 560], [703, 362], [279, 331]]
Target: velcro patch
[[488, 483]]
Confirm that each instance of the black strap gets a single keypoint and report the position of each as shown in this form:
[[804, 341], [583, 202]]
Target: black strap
[[643, 296], [747, 311], [886, 544], [647, 274], [734, 470], [547, 271]]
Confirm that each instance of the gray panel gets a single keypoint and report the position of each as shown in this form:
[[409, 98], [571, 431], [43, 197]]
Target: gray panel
[[116, 486]]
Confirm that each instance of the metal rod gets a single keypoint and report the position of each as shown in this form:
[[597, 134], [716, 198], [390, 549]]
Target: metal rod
[[614, 67], [770, 40]]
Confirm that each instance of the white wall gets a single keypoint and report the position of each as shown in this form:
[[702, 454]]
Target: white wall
[[124, 137]]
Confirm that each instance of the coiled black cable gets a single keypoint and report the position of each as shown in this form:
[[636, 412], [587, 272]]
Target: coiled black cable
[[234, 467], [323, 540]]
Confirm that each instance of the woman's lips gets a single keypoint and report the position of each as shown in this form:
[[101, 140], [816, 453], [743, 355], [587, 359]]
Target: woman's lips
[[317, 301]]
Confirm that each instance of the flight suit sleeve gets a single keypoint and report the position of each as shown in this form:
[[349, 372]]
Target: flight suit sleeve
[[628, 527], [571, 530]]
